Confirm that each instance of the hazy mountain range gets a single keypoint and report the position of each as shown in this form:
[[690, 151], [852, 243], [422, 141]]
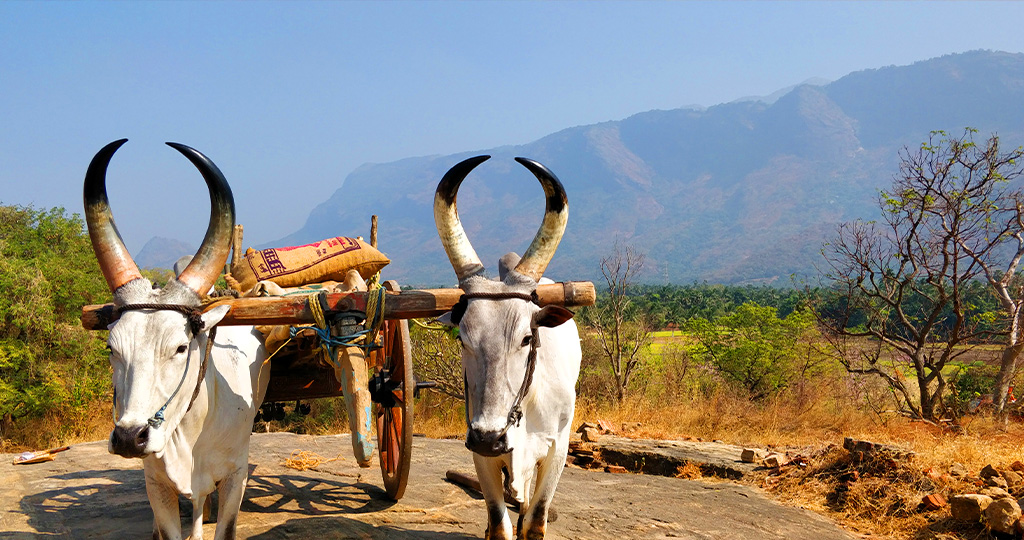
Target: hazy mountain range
[[745, 191]]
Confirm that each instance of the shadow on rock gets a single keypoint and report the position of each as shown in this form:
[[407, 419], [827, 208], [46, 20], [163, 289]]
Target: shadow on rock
[[312, 496], [337, 528], [102, 504]]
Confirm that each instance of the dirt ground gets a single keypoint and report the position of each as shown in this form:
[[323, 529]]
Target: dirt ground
[[88, 493]]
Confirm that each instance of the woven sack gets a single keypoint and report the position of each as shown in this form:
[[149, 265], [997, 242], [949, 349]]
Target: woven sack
[[295, 266]]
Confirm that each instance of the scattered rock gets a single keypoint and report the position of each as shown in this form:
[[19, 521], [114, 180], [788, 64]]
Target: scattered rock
[[1013, 479], [585, 425], [772, 461], [605, 427], [615, 469], [935, 501], [863, 449], [1017, 466], [958, 470], [997, 481], [969, 508], [752, 455], [995, 493], [1002, 515], [988, 472], [591, 434], [932, 474]]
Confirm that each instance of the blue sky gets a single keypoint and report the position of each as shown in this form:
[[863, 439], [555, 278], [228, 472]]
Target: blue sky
[[289, 97]]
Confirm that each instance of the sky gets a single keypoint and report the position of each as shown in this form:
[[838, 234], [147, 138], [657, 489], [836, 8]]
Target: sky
[[288, 98]]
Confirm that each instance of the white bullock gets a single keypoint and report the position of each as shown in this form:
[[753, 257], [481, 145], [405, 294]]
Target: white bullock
[[520, 361], [184, 394]]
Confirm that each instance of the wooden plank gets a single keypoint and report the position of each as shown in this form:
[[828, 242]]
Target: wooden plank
[[398, 305]]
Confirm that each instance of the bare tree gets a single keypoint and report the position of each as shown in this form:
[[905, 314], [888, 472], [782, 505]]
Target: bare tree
[[945, 218], [623, 332], [437, 358]]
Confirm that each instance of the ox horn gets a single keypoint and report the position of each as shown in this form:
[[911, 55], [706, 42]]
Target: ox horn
[[556, 216], [202, 272], [115, 261], [446, 217]]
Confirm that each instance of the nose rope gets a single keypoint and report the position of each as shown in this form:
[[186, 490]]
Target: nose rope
[[515, 413], [195, 321]]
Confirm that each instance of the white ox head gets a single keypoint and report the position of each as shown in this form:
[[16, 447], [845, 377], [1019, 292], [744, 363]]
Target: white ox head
[[498, 321], [157, 345]]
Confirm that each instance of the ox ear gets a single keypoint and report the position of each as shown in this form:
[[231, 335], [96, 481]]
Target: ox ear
[[455, 315], [214, 316], [552, 316]]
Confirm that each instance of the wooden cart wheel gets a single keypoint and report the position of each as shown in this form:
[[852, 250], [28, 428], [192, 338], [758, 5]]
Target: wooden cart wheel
[[394, 404]]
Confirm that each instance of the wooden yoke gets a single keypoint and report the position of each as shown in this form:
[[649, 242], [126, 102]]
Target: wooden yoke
[[398, 305]]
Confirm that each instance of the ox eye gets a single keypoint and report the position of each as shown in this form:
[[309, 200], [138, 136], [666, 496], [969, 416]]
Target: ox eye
[[527, 341], [182, 349]]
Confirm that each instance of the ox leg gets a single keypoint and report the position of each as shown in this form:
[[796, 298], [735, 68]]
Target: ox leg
[[488, 470], [163, 499], [535, 517], [199, 510], [229, 499]]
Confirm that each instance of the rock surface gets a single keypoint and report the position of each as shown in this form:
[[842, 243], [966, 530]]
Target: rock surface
[[88, 493], [665, 457]]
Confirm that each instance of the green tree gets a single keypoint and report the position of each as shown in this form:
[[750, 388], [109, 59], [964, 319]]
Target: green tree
[[48, 363], [754, 348]]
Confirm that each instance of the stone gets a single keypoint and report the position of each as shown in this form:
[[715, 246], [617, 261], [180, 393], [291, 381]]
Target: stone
[[1017, 466], [958, 470], [969, 508], [591, 434], [1002, 516], [586, 425], [994, 492], [605, 427], [772, 461], [752, 455], [615, 469], [996, 481], [988, 472], [1013, 479], [935, 501]]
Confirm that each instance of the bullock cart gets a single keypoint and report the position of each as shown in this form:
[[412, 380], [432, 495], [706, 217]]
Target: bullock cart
[[390, 379]]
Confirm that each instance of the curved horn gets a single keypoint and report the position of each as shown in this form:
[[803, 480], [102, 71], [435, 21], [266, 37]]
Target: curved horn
[[556, 216], [115, 261], [202, 272], [446, 217]]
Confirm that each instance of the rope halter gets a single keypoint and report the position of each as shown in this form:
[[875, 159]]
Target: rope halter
[[195, 322]]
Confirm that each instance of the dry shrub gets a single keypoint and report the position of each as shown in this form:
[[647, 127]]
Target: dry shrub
[[880, 496], [59, 428]]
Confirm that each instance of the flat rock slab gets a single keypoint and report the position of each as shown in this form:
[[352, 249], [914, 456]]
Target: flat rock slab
[[665, 457], [88, 493]]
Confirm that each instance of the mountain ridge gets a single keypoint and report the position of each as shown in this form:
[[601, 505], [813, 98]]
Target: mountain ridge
[[740, 192]]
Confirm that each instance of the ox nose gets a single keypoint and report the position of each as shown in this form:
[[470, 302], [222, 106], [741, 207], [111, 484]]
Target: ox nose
[[487, 443], [130, 442]]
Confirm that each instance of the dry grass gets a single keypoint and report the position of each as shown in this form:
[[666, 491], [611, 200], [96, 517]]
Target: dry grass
[[881, 497]]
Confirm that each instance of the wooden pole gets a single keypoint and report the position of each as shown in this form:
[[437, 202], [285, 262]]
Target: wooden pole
[[373, 230], [398, 305]]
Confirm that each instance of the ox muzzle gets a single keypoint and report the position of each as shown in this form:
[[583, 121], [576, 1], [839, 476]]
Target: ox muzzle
[[487, 443], [130, 442]]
